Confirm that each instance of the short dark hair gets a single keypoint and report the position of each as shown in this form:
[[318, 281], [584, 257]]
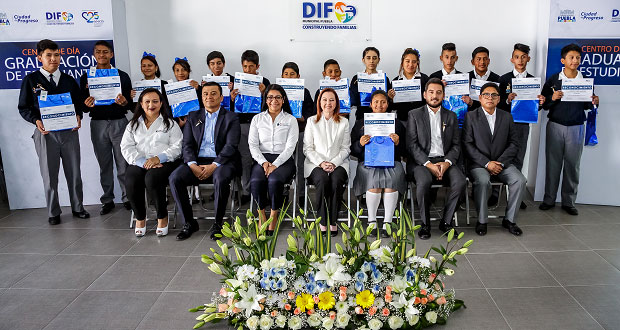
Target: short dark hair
[[46, 44], [522, 48], [570, 48], [379, 92], [213, 83], [183, 63], [435, 81], [291, 65], [331, 61], [489, 84], [104, 43], [371, 48], [479, 49], [286, 107], [154, 61], [250, 56], [215, 54], [448, 46]]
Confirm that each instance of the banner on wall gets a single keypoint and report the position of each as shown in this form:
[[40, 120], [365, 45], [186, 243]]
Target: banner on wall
[[330, 20]]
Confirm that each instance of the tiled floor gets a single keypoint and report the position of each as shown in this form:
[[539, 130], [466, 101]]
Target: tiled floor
[[563, 273]]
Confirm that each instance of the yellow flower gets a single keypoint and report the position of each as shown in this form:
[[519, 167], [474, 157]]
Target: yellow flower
[[304, 302], [365, 299], [326, 300]]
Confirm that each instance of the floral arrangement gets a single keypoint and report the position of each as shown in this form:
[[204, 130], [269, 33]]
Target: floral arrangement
[[365, 285]]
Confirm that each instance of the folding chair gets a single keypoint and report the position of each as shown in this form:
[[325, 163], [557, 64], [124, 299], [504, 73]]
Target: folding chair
[[311, 186], [493, 184], [411, 190]]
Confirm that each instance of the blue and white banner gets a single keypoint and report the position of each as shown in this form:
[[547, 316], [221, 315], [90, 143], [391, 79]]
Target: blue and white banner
[[295, 91], [342, 90], [57, 112]]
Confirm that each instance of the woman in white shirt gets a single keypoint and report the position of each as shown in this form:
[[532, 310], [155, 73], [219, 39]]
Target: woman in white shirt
[[151, 146], [272, 141], [326, 146]]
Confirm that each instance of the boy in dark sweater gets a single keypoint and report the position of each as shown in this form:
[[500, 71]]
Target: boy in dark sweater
[[52, 146], [565, 133]]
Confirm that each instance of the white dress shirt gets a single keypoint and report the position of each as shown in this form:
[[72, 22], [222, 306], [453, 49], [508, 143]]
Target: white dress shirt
[[491, 119], [143, 143], [484, 77], [273, 137], [436, 143], [326, 141], [518, 74], [445, 73], [563, 76], [46, 74]]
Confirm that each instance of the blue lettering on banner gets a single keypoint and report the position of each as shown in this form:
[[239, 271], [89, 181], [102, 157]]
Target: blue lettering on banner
[[327, 16], [573, 87], [371, 81], [179, 90], [99, 86], [17, 59], [292, 87], [526, 86], [456, 82], [58, 115], [378, 122], [406, 88], [615, 16], [600, 59]]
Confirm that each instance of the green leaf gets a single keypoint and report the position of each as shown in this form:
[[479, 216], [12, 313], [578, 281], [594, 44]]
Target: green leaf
[[450, 235], [199, 324]]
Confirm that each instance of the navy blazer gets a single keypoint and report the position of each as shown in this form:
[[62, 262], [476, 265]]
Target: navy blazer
[[481, 146], [227, 135]]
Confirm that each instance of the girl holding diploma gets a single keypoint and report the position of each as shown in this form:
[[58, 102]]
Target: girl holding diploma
[[150, 71], [181, 71], [409, 69], [375, 180], [326, 146], [371, 59]]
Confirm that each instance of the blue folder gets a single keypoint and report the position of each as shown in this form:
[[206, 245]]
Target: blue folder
[[103, 73], [455, 104], [247, 104], [379, 152], [524, 111]]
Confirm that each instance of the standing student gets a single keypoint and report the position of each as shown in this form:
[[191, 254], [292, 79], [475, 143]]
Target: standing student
[[107, 126], [216, 63], [182, 71], [480, 60], [409, 69], [370, 59], [53, 146], [565, 133], [448, 59], [150, 71], [250, 65], [520, 57], [331, 70]]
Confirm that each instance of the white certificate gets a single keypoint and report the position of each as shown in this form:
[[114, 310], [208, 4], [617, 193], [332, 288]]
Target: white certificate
[[341, 87], [379, 124], [222, 80], [474, 88], [104, 88], [294, 88], [457, 84], [180, 92], [59, 117], [407, 90], [141, 85], [577, 90], [526, 88], [368, 83], [247, 84]]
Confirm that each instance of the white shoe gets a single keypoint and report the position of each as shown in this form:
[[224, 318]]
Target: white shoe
[[140, 231], [162, 231]]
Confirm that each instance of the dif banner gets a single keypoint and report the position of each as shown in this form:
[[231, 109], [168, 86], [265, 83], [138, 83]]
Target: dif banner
[[600, 59], [330, 20], [20, 58]]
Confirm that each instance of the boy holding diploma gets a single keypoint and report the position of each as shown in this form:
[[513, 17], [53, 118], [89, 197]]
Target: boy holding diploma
[[565, 133]]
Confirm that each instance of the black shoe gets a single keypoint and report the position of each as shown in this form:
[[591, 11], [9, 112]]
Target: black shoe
[[333, 233], [492, 201], [570, 210], [268, 233], [523, 205], [424, 232], [215, 230], [54, 220], [187, 231], [107, 208], [512, 227], [373, 232], [127, 206], [481, 228], [545, 207], [446, 227], [384, 233], [82, 214]]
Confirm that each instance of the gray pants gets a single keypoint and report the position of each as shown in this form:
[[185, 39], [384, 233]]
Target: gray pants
[[246, 159], [563, 152], [106, 136], [523, 132], [482, 182], [51, 148]]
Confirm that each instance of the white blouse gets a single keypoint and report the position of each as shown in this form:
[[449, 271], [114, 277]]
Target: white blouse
[[273, 137], [326, 141], [143, 143]]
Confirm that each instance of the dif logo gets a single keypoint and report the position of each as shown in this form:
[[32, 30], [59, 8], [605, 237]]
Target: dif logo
[[4, 20], [615, 15], [59, 16], [344, 13]]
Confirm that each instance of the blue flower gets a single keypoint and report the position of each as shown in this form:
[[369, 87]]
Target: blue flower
[[272, 272], [280, 284], [311, 287], [376, 275], [265, 274], [376, 288], [281, 272], [273, 284], [264, 283], [410, 275], [321, 284], [359, 286], [361, 276], [310, 277], [366, 266]]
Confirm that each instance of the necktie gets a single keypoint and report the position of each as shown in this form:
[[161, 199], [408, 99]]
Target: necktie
[[52, 80]]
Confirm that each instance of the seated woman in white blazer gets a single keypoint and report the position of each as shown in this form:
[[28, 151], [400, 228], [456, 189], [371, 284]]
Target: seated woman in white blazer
[[327, 145]]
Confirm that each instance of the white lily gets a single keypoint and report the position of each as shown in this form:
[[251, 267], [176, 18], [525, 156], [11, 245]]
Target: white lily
[[249, 300], [332, 271]]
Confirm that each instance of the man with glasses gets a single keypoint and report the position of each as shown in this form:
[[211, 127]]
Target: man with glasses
[[491, 145]]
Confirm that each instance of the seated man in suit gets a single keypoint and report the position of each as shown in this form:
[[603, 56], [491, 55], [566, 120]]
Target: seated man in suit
[[434, 146], [491, 145], [210, 150]]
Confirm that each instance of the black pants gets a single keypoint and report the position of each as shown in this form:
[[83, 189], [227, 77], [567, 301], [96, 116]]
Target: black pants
[[329, 189], [265, 189], [453, 178], [154, 181], [183, 177]]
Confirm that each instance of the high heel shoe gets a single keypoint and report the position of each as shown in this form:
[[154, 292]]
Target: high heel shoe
[[162, 231], [333, 231], [140, 231]]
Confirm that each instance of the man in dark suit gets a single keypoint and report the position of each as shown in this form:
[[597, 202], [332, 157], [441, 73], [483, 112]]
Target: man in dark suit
[[210, 151], [434, 146], [491, 144]]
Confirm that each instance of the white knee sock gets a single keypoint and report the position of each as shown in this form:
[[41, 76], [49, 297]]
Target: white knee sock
[[390, 200], [372, 203]]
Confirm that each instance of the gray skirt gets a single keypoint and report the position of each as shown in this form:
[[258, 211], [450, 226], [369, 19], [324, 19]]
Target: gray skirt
[[372, 178]]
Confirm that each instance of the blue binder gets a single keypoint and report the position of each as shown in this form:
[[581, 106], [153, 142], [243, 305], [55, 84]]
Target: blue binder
[[379, 152], [524, 111]]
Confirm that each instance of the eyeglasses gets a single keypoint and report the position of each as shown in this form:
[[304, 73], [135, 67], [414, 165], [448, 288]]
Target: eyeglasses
[[490, 95], [277, 98]]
